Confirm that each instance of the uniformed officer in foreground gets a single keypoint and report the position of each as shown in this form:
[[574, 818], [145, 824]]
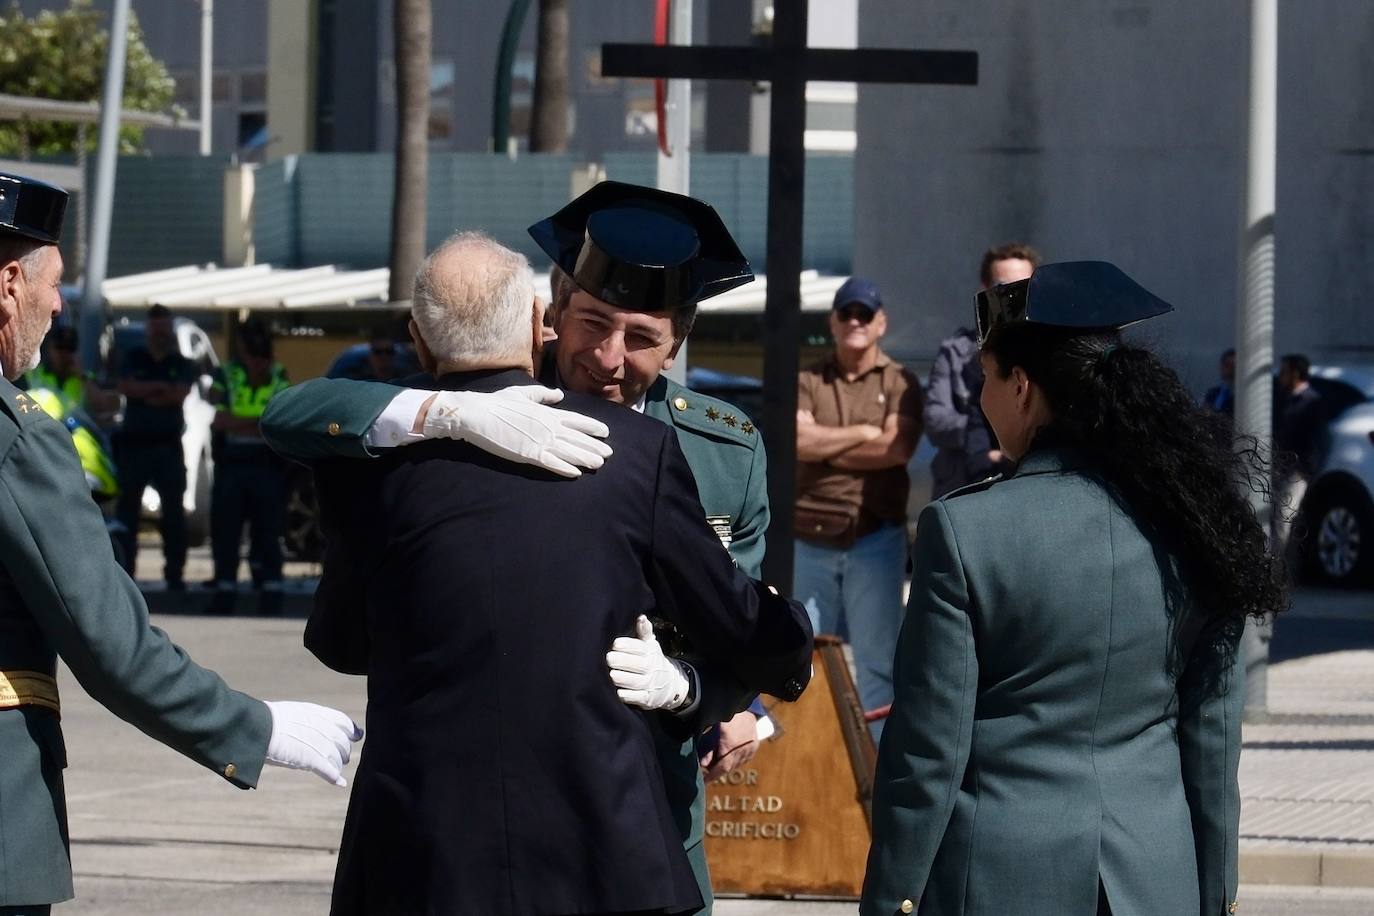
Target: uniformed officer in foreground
[[1066, 728], [630, 265], [61, 593]]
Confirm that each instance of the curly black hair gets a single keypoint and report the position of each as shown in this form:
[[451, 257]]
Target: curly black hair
[[1168, 460]]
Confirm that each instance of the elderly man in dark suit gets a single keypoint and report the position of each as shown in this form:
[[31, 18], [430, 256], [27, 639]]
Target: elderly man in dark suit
[[503, 774]]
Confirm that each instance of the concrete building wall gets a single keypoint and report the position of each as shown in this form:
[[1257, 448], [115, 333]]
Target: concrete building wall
[[1115, 130]]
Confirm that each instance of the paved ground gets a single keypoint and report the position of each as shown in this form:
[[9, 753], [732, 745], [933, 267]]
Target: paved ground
[[154, 834]]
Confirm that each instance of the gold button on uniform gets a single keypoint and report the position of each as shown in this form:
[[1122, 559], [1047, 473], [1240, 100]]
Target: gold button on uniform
[[230, 771], [1233, 907], [333, 429], [908, 906], [680, 403]]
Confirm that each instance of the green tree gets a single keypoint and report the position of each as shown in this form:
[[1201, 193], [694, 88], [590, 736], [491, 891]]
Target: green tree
[[61, 55]]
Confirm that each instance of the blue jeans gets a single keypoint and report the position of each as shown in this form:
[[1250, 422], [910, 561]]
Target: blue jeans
[[859, 592]]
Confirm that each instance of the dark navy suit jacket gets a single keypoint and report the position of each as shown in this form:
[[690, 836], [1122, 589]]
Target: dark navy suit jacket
[[501, 773]]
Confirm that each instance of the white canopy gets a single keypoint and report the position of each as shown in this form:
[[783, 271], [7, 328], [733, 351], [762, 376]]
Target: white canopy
[[262, 286]]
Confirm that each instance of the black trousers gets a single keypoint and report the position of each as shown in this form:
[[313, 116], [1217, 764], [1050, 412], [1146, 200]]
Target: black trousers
[[161, 465], [40, 909], [253, 491]]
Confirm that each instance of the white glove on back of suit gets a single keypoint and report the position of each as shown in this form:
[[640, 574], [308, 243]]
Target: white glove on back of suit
[[310, 737], [517, 424], [643, 675]]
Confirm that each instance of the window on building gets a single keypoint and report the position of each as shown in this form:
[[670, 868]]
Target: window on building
[[441, 102]]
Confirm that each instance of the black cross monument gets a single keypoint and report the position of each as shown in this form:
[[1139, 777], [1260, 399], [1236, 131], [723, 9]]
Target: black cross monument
[[788, 64]]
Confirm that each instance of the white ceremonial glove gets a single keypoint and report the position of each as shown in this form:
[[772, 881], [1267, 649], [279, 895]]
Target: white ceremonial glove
[[643, 675], [310, 737], [517, 424]]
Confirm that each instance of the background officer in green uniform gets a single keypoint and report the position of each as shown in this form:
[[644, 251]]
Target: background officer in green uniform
[[631, 264], [61, 593], [250, 479]]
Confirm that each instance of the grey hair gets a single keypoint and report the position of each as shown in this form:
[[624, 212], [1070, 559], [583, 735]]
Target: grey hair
[[472, 300], [22, 249]]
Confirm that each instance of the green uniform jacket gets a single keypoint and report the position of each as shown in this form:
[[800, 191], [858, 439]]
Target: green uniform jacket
[[1059, 720], [329, 418], [61, 593]]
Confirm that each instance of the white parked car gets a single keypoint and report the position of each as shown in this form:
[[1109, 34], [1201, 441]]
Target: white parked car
[[125, 334], [1337, 514]]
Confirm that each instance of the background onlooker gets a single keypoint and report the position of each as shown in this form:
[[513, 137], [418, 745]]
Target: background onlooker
[[858, 422], [155, 380], [250, 479], [1221, 397], [953, 419], [1299, 425]]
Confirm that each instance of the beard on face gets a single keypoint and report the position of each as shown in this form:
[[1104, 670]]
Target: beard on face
[[30, 334]]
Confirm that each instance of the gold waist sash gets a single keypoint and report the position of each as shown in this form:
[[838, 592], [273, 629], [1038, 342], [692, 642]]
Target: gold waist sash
[[28, 688]]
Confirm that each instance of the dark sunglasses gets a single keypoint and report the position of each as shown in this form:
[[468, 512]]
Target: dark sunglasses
[[859, 313]]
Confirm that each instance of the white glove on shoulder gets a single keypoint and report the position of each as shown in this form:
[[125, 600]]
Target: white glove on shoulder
[[643, 675], [517, 424], [310, 737]]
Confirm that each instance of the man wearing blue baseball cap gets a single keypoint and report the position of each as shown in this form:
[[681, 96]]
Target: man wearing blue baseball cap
[[858, 422]]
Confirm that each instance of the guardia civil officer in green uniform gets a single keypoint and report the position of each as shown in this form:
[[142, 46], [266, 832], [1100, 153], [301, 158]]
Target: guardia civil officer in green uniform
[[1066, 730], [630, 265], [61, 593], [250, 479]]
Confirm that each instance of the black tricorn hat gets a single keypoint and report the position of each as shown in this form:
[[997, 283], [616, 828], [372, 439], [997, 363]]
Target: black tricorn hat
[[1090, 295], [643, 249], [31, 208]]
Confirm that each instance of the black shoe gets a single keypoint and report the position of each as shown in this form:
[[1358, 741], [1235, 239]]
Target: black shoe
[[176, 585]]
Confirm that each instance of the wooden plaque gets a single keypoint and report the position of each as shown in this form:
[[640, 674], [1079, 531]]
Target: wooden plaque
[[794, 820]]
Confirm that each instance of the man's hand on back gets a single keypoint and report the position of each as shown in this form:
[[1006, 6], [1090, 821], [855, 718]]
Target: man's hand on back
[[518, 424]]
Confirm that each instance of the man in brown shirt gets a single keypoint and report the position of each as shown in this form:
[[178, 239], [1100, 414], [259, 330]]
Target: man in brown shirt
[[858, 421]]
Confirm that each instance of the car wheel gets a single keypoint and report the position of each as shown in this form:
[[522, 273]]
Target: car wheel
[[302, 537], [198, 520], [1340, 538]]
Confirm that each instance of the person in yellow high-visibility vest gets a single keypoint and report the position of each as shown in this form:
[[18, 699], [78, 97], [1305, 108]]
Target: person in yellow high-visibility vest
[[250, 480], [61, 372]]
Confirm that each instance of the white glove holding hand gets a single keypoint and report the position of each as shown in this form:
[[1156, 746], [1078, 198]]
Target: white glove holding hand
[[643, 675], [517, 424], [310, 737]]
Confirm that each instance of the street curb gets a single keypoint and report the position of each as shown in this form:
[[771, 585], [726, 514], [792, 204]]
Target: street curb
[[1311, 867]]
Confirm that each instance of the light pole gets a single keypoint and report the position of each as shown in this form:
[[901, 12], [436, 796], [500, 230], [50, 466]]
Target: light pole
[[207, 56], [1255, 309], [102, 204], [675, 164]]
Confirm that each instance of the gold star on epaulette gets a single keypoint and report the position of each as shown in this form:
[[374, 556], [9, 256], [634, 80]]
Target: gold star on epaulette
[[712, 413], [747, 427], [730, 421], [22, 400]]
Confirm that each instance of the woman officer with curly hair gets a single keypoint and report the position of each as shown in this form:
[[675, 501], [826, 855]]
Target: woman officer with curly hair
[[1066, 729]]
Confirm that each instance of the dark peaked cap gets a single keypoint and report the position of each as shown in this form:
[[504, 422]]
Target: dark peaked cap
[[1071, 294], [643, 249], [31, 208]]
